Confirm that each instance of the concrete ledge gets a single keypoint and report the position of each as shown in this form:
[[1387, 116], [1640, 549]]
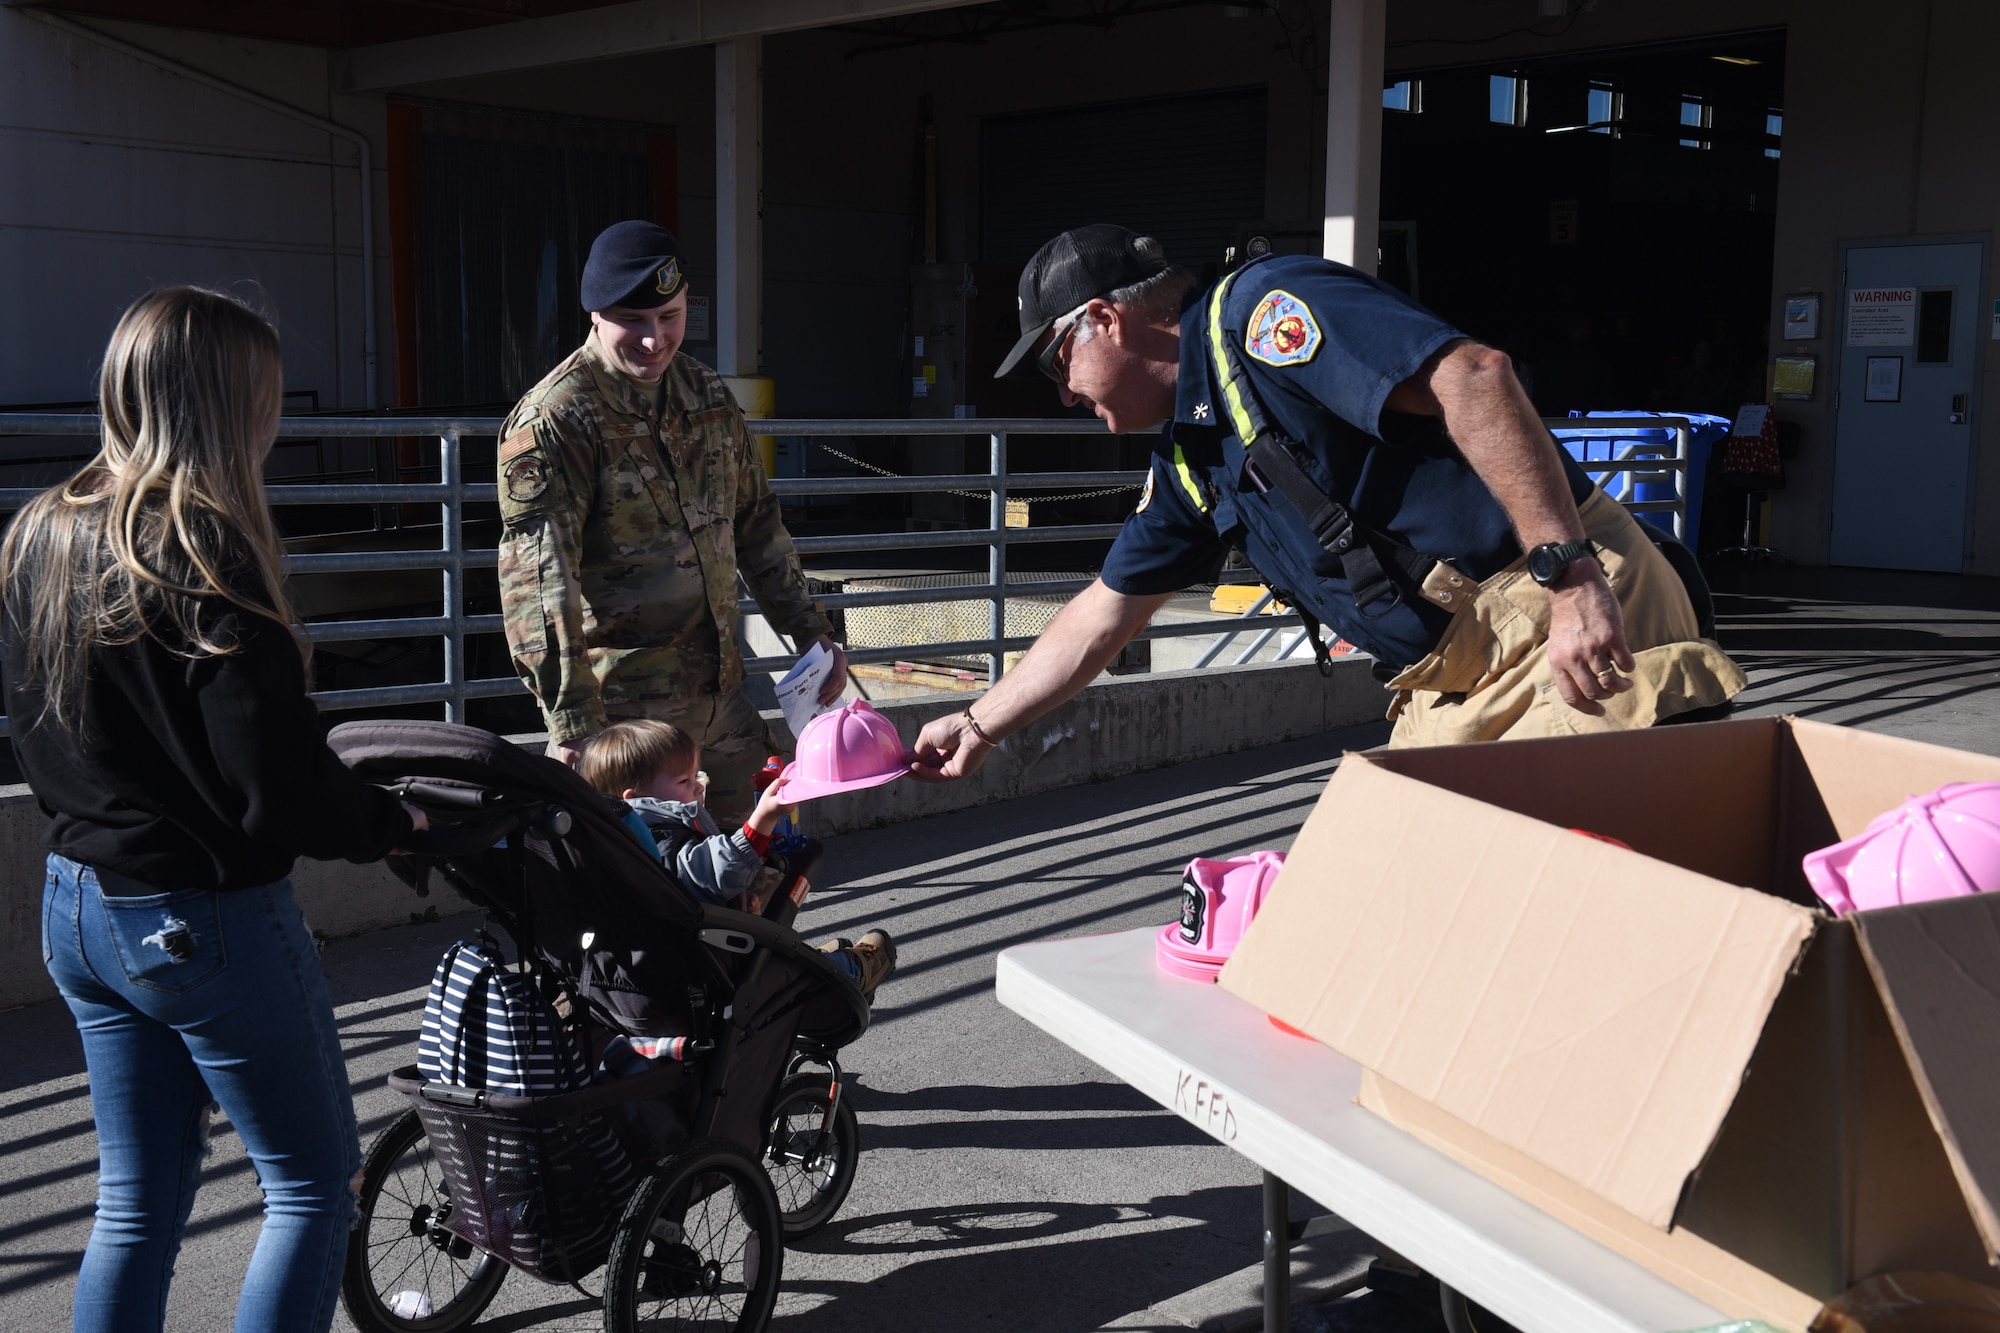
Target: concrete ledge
[[1118, 725]]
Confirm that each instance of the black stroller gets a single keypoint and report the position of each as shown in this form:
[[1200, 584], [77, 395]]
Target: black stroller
[[682, 1182]]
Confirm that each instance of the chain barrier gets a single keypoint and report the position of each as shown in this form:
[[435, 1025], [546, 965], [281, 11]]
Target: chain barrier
[[980, 495]]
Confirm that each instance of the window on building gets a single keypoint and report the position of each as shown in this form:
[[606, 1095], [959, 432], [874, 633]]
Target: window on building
[[1696, 113], [1606, 107], [1934, 327], [1507, 100], [1405, 95], [1774, 128]]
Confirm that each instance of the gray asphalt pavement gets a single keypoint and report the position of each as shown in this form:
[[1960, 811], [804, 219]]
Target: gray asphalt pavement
[[1005, 1181]]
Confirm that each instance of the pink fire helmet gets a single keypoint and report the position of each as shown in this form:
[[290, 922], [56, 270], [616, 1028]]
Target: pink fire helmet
[[844, 750], [1218, 901], [1943, 845]]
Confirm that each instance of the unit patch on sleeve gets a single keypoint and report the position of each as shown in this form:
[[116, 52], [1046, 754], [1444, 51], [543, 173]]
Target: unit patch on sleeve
[[526, 478], [1282, 331], [1146, 495]]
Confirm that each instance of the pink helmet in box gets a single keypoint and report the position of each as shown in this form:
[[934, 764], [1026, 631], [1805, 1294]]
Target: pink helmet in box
[[844, 750], [1218, 901], [1943, 845]]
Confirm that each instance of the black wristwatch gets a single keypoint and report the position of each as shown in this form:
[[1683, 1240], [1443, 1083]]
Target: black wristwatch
[[1548, 562]]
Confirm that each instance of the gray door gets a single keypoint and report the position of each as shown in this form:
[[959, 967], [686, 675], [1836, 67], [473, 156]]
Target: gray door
[[1906, 405]]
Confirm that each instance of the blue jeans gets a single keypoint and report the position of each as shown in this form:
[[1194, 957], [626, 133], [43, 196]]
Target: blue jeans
[[182, 997]]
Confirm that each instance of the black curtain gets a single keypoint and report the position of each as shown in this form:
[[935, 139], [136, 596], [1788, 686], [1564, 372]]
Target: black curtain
[[509, 204]]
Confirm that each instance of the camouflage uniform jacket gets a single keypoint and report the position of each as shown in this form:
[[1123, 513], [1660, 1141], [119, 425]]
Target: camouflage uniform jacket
[[624, 530]]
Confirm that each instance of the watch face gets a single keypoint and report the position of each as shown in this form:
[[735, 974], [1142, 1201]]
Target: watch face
[[1542, 565]]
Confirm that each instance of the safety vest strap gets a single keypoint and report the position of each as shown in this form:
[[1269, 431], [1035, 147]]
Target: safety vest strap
[[1185, 474], [1274, 465], [1239, 400]]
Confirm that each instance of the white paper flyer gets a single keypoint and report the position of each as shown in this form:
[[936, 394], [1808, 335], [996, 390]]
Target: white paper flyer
[[798, 692]]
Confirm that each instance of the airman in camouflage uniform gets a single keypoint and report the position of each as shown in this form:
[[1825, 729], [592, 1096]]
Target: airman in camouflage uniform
[[629, 508]]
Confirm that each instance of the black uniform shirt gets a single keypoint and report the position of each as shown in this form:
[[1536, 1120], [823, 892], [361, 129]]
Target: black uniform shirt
[[210, 772], [1322, 345]]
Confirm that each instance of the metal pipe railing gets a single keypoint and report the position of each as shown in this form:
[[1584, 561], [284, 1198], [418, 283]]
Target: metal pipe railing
[[452, 558], [1637, 457]]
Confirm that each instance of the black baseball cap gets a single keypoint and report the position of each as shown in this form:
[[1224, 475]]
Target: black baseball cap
[[634, 264], [1076, 267]]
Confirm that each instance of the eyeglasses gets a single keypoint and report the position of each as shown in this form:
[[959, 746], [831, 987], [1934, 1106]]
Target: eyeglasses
[[1049, 359]]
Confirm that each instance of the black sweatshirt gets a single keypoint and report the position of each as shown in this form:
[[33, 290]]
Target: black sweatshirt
[[210, 772]]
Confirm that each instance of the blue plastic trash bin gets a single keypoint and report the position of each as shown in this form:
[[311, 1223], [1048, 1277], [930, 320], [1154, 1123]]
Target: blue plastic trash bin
[[1602, 442]]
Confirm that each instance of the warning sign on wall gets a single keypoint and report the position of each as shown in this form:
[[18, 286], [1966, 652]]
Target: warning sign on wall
[[1881, 316]]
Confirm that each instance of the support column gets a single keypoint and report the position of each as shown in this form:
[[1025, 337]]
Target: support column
[[1354, 131], [739, 206]]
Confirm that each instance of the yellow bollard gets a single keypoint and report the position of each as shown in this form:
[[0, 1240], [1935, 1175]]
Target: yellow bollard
[[757, 395]]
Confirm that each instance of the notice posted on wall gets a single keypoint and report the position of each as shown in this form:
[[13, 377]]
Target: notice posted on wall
[[798, 692], [1881, 316], [1801, 317]]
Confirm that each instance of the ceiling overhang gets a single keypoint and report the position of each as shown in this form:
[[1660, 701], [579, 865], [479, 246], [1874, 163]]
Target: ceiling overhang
[[633, 28]]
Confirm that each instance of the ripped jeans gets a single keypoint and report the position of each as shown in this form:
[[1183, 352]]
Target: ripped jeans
[[183, 997]]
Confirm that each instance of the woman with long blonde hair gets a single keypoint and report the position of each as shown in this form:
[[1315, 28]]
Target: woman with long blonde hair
[[156, 688]]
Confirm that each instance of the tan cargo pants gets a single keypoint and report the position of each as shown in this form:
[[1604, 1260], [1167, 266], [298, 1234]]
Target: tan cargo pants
[[1490, 677]]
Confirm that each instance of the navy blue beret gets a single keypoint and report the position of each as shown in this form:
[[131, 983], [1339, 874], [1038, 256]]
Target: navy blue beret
[[634, 264]]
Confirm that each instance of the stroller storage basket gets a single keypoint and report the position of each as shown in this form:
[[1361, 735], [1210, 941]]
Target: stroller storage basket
[[537, 1181]]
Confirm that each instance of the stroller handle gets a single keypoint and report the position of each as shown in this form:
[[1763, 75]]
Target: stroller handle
[[455, 798]]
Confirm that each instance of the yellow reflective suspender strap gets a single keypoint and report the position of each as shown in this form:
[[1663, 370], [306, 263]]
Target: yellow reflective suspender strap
[[1233, 400], [1188, 483], [1329, 520]]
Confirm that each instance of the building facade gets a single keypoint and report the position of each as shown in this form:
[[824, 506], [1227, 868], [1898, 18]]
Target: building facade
[[1629, 198]]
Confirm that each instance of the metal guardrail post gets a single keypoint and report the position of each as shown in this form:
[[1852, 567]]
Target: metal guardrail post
[[996, 568], [1629, 462], [1249, 654], [1683, 440], [452, 558], [1223, 641], [450, 471]]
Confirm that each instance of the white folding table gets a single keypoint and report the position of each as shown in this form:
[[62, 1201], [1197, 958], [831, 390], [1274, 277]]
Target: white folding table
[[1287, 1104]]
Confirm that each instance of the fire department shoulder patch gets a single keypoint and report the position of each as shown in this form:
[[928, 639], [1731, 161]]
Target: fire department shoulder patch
[[1282, 331], [1146, 495]]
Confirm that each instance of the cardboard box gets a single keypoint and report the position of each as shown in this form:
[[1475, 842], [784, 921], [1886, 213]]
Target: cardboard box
[[1673, 1048]]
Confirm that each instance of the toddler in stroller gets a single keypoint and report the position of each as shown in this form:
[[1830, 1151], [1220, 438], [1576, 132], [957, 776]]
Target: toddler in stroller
[[655, 768], [484, 1172]]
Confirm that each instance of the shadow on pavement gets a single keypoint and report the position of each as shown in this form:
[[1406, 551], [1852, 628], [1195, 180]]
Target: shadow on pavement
[[1023, 1265]]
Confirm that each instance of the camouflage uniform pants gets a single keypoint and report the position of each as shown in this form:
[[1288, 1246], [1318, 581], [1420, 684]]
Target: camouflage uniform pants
[[734, 740]]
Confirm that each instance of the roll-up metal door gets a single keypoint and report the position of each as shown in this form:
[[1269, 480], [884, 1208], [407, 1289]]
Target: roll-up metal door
[[1188, 170], [509, 204]]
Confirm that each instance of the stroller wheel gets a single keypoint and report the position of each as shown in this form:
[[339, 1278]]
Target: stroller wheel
[[405, 1273], [699, 1248], [811, 1161]]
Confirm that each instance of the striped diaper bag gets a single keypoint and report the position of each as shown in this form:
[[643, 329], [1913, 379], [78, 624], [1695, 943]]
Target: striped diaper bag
[[543, 1197], [486, 1027]]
